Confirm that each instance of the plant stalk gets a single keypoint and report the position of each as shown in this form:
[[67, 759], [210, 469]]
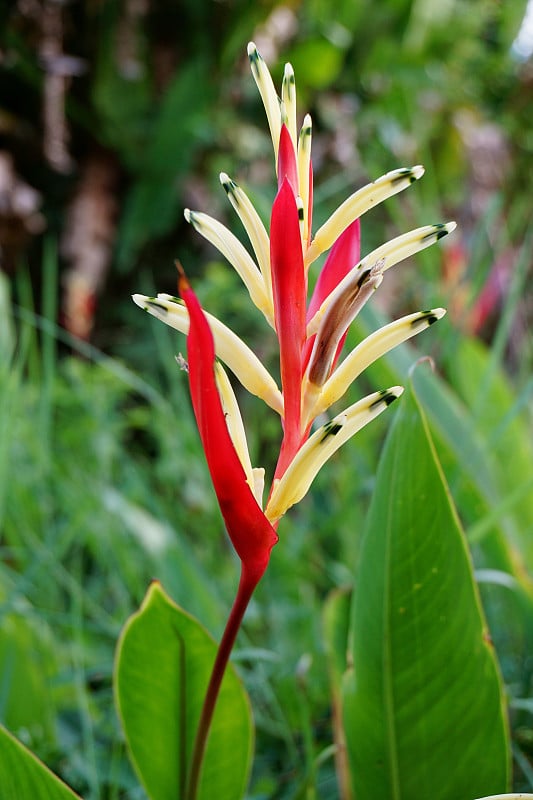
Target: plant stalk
[[247, 584]]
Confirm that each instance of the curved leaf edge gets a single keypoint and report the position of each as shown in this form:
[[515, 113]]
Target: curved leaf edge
[[54, 787], [155, 593]]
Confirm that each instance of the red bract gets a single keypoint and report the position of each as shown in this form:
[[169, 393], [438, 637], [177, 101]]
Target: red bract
[[289, 291], [287, 166], [343, 255], [250, 532]]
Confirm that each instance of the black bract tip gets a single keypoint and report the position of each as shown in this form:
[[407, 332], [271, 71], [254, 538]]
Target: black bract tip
[[385, 397], [157, 305], [437, 232], [425, 316], [362, 278], [330, 429], [229, 186], [402, 174], [254, 61]]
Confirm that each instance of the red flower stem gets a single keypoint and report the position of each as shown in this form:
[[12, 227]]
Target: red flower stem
[[291, 443], [248, 582]]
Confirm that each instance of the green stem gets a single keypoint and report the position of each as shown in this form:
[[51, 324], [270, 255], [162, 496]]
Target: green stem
[[247, 585]]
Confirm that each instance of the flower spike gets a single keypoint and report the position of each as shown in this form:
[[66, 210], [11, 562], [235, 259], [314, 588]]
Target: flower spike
[[358, 204], [254, 228], [369, 350], [297, 479], [289, 290], [288, 99], [237, 255], [268, 94], [229, 347], [249, 530], [310, 335], [305, 176]]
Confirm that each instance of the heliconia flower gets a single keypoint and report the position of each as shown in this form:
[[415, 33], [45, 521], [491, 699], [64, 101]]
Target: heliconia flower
[[250, 532], [311, 333]]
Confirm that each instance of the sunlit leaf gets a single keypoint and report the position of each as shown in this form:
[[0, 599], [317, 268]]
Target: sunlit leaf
[[24, 777], [163, 664], [423, 705]]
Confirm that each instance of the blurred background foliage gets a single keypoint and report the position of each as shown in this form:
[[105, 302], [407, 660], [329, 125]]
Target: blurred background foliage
[[116, 115]]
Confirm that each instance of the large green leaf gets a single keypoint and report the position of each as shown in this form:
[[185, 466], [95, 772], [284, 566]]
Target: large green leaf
[[471, 455], [423, 705], [164, 660], [24, 777]]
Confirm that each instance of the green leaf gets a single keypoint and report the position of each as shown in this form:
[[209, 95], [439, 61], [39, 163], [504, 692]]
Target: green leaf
[[24, 777], [163, 664], [472, 455], [423, 706]]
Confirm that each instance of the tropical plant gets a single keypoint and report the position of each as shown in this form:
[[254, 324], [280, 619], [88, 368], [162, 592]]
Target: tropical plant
[[418, 703]]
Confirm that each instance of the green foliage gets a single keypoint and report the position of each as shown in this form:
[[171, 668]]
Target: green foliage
[[102, 484], [423, 704], [29, 665], [22, 776], [163, 663], [83, 533], [176, 133], [497, 420], [110, 452], [408, 70]]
